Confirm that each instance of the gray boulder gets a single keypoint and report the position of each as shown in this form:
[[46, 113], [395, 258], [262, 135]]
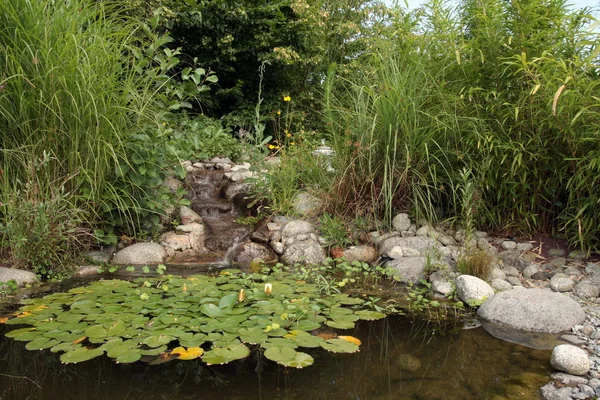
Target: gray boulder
[[535, 310], [306, 204], [551, 392], [586, 290], [419, 243], [560, 283], [570, 359], [501, 285], [248, 251], [140, 253], [401, 222], [296, 227], [409, 269], [305, 252], [473, 290], [20, 276]]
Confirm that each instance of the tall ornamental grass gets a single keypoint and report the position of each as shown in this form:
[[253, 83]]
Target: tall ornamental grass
[[68, 101]]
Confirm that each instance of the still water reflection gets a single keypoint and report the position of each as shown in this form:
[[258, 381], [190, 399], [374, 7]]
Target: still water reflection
[[399, 359]]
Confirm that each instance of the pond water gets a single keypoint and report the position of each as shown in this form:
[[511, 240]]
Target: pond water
[[399, 358]]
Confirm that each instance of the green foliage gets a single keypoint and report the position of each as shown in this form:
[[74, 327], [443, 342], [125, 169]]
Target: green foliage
[[8, 288], [335, 231], [420, 303], [215, 318]]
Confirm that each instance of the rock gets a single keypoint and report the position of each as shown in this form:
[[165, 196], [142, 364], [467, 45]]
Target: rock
[[86, 270], [500, 285], [480, 234], [296, 227], [447, 240], [175, 241], [423, 231], [473, 290], [556, 253], [98, 256], [578, 255], [20, 276], [586, 290], [401, 223], [245, 253], [592, 269], [410, 269], [511, 271], [307, 252], [497, 273], [530, 270], [237, 190], [512, 258], [399, 252], [442, 286], [524, 246], [557, 262], [513, 280], [550, 392], [535, 310], [277, 247], [570, 359], [560, 283], [541, 276], [221, 160], [363, 253], [568, 379], [172, 184], [306, 204], [574, 340], [572, 271], [406, 362], [422, 244], [483, 244], [188, 216], [140, 254], [508, 245]]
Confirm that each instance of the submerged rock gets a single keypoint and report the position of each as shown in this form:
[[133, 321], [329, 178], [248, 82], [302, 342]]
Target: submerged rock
[[406, 362], [536, 310], [140, 253]]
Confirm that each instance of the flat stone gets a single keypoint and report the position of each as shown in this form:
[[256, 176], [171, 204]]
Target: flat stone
[[277, 247], [534, 310], [473, 290], [570, 359], [409, 269], [140, 253], [20, 276], [574, 340], [568, 379], [447, 240]]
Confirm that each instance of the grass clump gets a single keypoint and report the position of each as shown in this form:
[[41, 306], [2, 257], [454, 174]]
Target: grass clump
[[479, 264]]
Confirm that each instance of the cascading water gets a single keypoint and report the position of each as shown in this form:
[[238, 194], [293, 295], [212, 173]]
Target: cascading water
[[207, 194]]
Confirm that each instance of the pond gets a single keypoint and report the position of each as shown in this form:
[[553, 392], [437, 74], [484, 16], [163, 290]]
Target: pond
[[399, 359]]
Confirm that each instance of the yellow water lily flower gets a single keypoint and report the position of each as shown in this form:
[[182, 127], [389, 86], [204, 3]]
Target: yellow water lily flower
[[268, 288]]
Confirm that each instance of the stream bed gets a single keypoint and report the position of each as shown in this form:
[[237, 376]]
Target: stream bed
[[399, 358]]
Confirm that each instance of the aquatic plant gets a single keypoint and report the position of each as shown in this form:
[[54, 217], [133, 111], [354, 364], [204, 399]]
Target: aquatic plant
[[215, 318]]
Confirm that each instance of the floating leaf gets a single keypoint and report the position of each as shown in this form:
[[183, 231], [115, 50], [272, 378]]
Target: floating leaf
[[130, 356], [252, 335], [41, 343], [280, 342], [96, 332], [339, 346], [157, 340], [369, 315], [187, 354], [340, 324], [350, 339], [18, 332], [211, 310], [80, 355], [279, 354], [225, 354]]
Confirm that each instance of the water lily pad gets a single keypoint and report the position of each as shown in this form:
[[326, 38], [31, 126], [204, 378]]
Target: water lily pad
[[211, 310], [351, 339], [190, 353], [117, 328], [28, 336], [340, 324], [130, 356], [279, 354], [123, 348], [228, 301], [343, 298], [96, 332], [65, 347], [41, 343], [306, 325], [157, 340], [80, 355], [174, 319], [304, 339], [18, 332], [339, 346], [369, 315], [225, 354], [252, 335], [153, 352], [280, 342]]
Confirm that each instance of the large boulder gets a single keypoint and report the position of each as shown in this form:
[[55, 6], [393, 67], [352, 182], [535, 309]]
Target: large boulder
[[140, 254], [295, 228], [408, 269], [249, 251], [307, 252], [422, 244], [473, 290], [535, 310], [20, 277], [570, 359], [363, 253], [306, 204]]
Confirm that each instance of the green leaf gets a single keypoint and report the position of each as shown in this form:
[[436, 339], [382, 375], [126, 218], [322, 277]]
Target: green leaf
[[339, 346], [211, 310], [80, 355], [369, 315]]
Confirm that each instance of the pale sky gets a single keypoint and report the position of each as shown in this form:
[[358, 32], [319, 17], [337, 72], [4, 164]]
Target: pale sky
[[575, 3]]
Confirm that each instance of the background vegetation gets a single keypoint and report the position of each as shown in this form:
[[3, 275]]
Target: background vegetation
[[485, 113]]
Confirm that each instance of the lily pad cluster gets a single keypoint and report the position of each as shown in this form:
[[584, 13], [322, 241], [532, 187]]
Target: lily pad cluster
[[215, 318]]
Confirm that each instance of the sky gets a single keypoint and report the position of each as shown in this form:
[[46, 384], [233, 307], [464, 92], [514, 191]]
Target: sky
[[576, 3]]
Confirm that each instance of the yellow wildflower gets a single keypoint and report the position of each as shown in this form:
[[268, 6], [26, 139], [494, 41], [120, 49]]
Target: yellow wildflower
[[271, 147], [287, 98], [287, 134], [278, 112]]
